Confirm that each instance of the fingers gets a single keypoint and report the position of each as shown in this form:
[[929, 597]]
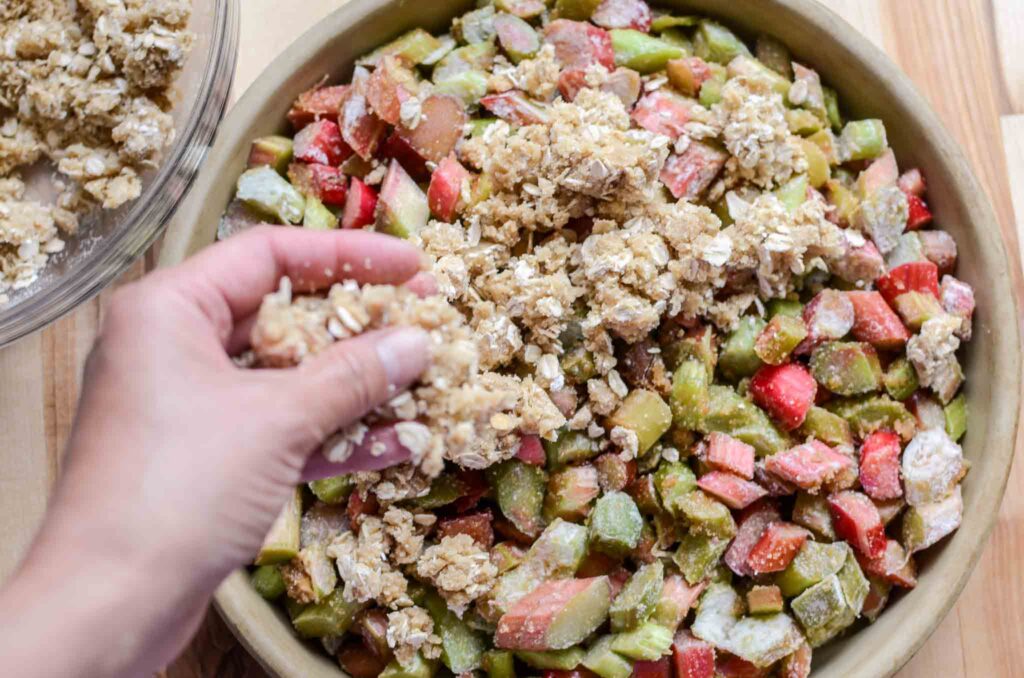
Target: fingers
[[238, 272], [379, 449], [422, 285], [343, 383]]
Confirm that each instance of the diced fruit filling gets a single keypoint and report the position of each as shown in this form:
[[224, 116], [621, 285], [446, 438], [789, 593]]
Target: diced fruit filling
[[694, 400]]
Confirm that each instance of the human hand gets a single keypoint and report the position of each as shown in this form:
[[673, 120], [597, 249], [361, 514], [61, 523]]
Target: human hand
[[179, 461]]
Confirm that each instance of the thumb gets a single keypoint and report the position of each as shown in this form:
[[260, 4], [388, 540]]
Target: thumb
[[340, 385]]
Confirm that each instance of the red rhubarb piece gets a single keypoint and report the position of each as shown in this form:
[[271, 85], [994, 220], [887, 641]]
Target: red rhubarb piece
[[751, 524], [880, 465], [635, 14], [856, 521], [786, 392], [359, 507], [360, 128], [359, 661], [915, 276], [689, 174], [531, 451], [476, 525], [326, 183], [535, 622], [360, 205], [315, 104], [875, 322], [731, 666], [859, 263], [918, 216], [725, 453], [912, 182], [808, 466], [473, 485], [320, 142], [829, 315], [691, 657], [515, 107], [390, 85], [441, 124], [684, 596], [448, 185], [659, 668], [776, 548], [733, 491], [939, 248], [798, 664], [894, 565], [579, 44], [663, 112], [879, 174], [395, 147], [958, 299]]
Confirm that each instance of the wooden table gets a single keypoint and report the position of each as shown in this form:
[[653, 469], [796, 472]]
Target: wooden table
[[961, 54]]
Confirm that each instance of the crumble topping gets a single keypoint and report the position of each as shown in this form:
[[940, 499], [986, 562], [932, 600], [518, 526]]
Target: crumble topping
[[933, 354], [460, 569], [411, 630]]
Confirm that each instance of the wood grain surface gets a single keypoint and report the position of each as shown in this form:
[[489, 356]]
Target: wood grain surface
[[966, 58]]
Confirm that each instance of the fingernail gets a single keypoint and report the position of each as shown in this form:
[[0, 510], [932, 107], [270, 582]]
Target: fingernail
[[404, 353]]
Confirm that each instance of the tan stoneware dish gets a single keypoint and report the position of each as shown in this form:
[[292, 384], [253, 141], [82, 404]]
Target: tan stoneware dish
[[871, 86]]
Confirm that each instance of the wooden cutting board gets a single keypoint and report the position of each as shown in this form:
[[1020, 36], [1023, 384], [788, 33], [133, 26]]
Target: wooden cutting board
[[964, 55]]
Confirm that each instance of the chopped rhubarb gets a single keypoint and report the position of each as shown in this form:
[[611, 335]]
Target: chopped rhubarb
[[448, 186], [402, 209], [635, 14], [664, 112], [578, 672], [556, 615], [880, 465], [939, 248], [579, 44], [733, 491], [731, 666], [476, 525], [516, 108], [323, 182], [658, 668], [321, 143], [360, 205], [912, 182], [359, 507], [725, 453], [894, 566], [439, 127], [396, 147], [776, 548], [360, 128], [786, 392], [808, 466], [958, 300], [875, 322], [692, 658], [829, 315], [752, 523], [916, 276], [688, 74], [857, 522], [677, 597], [798, 664], [688, 175], [531, 451], [880, 173], [918, 215], [391, 84], [316, 104], [859, 263]]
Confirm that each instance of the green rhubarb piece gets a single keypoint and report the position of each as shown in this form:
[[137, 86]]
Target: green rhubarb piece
[[706, 515], [666, 21], [671, 610], [719, 611], [699, 345], [402, 209], [638, 598], [273, 151], [868, 414], [697, 556], [613, 473], [580, 616], [445, 489], [645, 494], [745, 66], [803, 122], [642, 52], [764, 640], [673, 481], [578, 365], [470, 87], [517, 38], [780, 337], [267, 192], [733, 414], [615, 524], [855, 584], [835, 118], [844, 201], [282, 541], [475, 27], [579, 10], [715, 42], [568, 448], [764, 600], [462, 648], [418, 667], [788, 307], [571, 491], [677, 37], [863, 140], [552, 660], [926, 524], [847, 368], [332, 616], [775, 55], [499, 664], [917, 308], [479, 125], [524, 9], [414, 47], [647, 642], [793, 193], [909, 248], [645, 414], [737, 358], [294, 608], [317, 217], [818, 170], [815, 562], [519, 490], [820, 608], [812, 511], [333, 490], [506, 555], [711, 91], [878, 596], [690, 395], [956, 417], [827, 427], [323, 578], [268, 582], [826, 143], [471, 58], [900, 379], [605, 662]]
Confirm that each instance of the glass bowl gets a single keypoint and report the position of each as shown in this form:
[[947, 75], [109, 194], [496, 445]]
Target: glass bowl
[[109, 241]]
